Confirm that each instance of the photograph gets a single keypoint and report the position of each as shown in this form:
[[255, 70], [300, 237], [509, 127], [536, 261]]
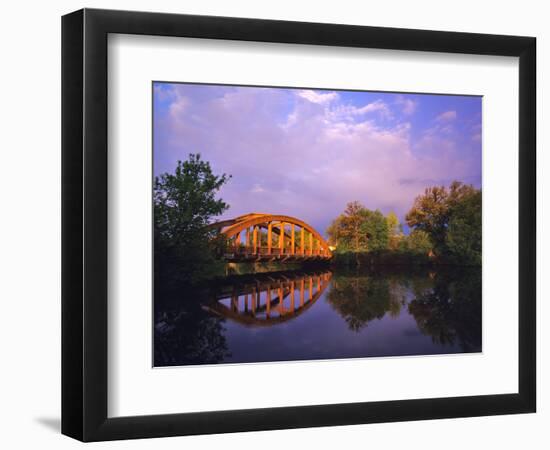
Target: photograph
[[299, 224], [265, 225]]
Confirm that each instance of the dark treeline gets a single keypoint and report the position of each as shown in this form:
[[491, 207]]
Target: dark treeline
[[445, 226]]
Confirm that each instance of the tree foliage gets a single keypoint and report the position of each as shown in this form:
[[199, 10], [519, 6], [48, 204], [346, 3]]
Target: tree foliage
[[395, 231], [452, 219], [184, 204], [417, 241], [359, 229], [445, 223], [394, 227], [464, 233]]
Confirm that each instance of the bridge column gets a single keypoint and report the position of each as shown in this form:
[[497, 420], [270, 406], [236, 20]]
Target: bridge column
[[255, 239], [247, 239], [269, 232], [237, 240], [302, 241], [292, 237], [282, 237], [310, 243]]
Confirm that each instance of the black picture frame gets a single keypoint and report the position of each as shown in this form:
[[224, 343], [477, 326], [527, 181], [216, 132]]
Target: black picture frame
[[84, 224]]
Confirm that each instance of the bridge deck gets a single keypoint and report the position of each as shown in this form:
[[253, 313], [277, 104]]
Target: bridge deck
[[241, 254]]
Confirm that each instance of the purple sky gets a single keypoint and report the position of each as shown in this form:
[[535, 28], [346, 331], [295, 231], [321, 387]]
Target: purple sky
[[308, 152]]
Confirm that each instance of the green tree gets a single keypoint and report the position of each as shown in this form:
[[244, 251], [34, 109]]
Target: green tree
[[418, 241], [430, 213], [184, 204], [452, 218], [395, 230], [375, 227], [393, 223], [359, 229], [350, 224], [463, 238]]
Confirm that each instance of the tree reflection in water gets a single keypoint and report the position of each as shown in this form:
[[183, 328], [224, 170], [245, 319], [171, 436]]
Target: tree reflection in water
[[319, 315], [185, 333], [361, 298], [450, 311], [445, 305]]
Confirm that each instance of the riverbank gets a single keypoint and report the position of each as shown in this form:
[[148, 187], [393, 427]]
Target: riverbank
[[391, 258]]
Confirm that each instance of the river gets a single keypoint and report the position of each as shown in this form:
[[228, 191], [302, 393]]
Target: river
[[321, 314]]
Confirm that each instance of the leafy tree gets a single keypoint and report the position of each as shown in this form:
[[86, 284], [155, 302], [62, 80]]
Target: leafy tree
[[418, 241], [375, 227], [359, 229], [393, 223], [430, 213], [350, 224], [395, 230], [464, 233], [452, 219], [184, 204], [333, 232]]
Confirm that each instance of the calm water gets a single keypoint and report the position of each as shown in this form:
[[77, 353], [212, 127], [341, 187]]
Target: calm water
[[320, 314]]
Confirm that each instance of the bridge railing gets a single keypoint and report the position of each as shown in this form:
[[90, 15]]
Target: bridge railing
[[243, 250]]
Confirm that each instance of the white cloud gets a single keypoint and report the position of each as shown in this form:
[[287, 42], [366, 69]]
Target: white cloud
[[446, 116], [408, 106], [378, 105], [349, 112], [316, 97], [307, 162]]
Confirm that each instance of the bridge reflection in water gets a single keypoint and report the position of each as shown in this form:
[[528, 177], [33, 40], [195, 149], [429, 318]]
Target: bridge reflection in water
[[269, 300], [308, 315]]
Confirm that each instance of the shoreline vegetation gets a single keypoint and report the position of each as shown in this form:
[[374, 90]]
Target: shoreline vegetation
[[443, 224]]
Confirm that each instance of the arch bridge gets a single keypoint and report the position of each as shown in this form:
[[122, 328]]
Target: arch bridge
[[269, 237]]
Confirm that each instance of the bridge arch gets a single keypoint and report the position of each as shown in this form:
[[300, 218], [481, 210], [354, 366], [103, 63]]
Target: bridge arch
[[272, 236]]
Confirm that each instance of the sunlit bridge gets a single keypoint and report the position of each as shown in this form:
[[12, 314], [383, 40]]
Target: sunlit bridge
[[270, 300], [268, 237]]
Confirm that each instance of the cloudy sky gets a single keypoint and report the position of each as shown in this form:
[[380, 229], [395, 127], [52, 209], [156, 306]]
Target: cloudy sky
[[308, 152]]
